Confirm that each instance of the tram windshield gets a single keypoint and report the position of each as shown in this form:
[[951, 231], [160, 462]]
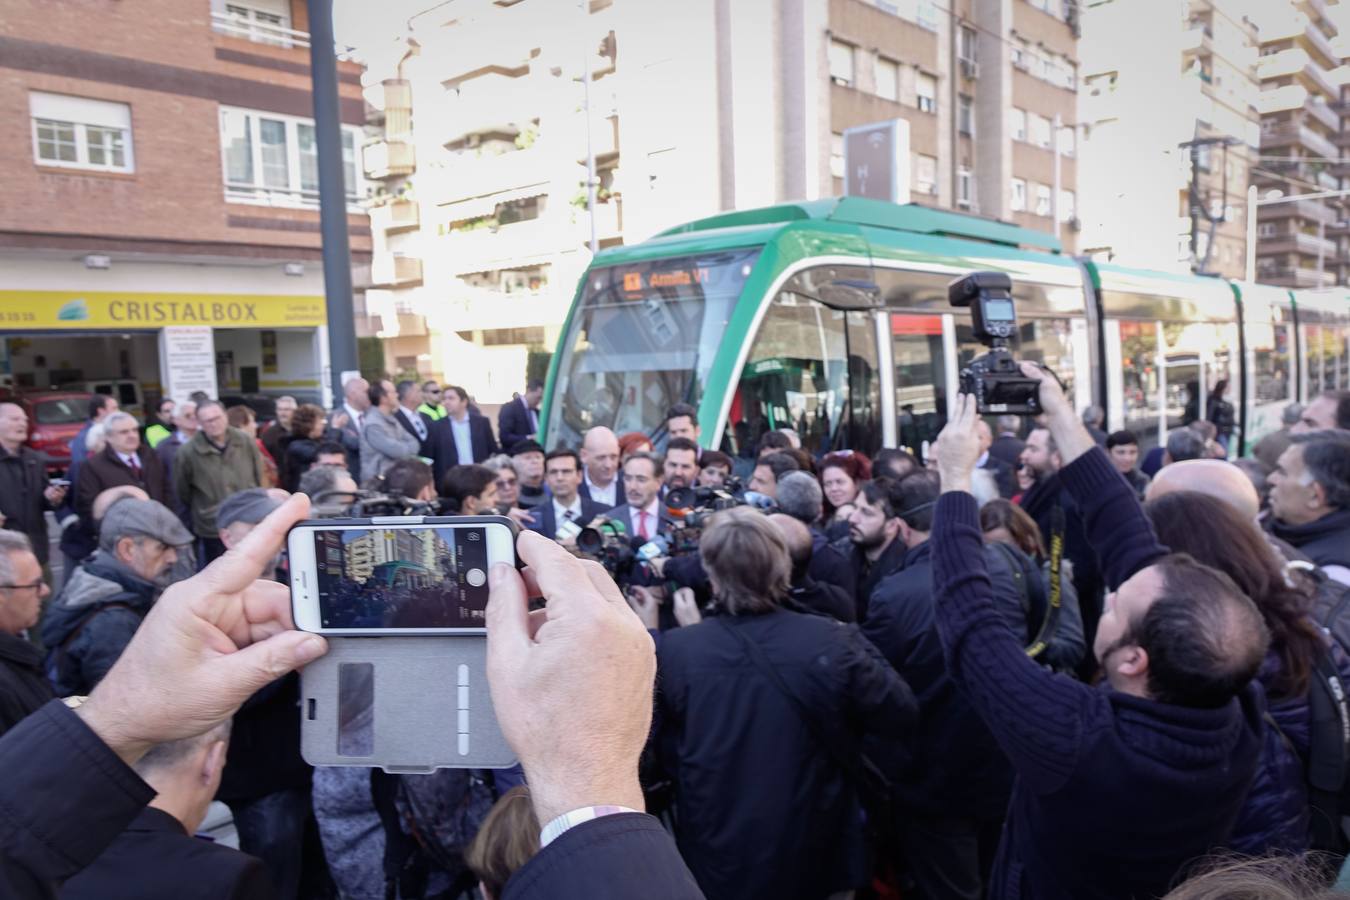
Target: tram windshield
[[643, 338]]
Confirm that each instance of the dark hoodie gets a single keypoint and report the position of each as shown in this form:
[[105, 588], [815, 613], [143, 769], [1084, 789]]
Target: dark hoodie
[[91, 621], [1325, 541], [1115, 794]]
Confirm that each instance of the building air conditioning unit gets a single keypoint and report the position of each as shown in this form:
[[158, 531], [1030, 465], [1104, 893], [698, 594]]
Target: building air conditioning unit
[[1075, 224], [970, 69]]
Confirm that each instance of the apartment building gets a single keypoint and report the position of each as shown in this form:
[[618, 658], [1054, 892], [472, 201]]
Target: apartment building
[[159, 225], [482, 226], [1301, 146], [1164, 184]]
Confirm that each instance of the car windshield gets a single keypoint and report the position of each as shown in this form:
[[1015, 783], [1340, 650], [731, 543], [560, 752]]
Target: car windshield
[[644, 338], [60, 410]]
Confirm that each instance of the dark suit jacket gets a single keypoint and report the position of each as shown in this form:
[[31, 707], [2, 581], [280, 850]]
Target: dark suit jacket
[[623, 855], [349, 436], [546, 524], [104, 470], [1004, 474], [424, 447], [155, 858], [441, 443], [513, 423], [624, 513], [1007, 448]]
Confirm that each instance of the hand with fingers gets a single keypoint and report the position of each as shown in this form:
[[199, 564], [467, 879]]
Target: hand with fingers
[[646, 602], [686, 608], [207, 645], [572, 683], [958, 446]]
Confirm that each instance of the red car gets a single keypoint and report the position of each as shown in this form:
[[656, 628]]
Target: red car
[[54, 418]]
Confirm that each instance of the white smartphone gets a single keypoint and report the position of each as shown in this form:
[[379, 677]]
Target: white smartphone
[[396, 574]]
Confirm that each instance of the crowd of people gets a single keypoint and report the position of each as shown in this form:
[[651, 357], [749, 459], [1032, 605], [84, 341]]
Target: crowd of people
[[1034, 663]]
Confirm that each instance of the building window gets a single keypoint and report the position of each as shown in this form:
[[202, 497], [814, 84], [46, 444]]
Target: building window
[[1017, 123], [926, 90], [965, 188], [1068, 140], [1042, 199], [1038, 128], [965, 115], [1267, 229], [888, 79], [842, 63], [925, 174], [1019, 195], [1068, 206], [837, 155], [273, 159], [80, 133], [262, 26], [969, 41]]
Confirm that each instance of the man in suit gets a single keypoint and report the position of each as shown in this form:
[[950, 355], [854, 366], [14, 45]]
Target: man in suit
[[414, 422], [383, 437], [600, 456], [461, 437], [519, 420], [562, 472], [346, 419], [273, 434], [1005, 476], [1008, 446], [156, 856], [125, 460], [642, 514]]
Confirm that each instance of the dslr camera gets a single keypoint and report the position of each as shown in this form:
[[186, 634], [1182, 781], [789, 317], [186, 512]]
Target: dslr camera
[[995, 379]]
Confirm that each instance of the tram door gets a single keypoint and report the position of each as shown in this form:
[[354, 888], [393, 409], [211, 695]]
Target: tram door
[[921, 347]]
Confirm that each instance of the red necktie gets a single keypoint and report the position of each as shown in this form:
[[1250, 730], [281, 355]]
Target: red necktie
[[135, 467], [642, 525]]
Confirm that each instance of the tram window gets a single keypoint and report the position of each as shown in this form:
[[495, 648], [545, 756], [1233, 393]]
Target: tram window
[[1270, 351], [920, 379], [1139, 362], [796, 376], [864, 432], [1045, 341]]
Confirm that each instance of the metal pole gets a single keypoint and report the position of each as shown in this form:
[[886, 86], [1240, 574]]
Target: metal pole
[[337, 260], [586, 105], [1251, 233]]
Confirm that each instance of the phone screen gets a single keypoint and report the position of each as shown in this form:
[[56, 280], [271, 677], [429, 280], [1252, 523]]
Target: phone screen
[[425, 577]]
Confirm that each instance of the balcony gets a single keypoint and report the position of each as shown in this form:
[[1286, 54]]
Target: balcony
[[1288, 134], [388, 159], [258, 32], [1311, 210], [1297, 242], [390, 271], [608, 219], [491, 102], [479, 176], [1295, 277], [517, 244], [1324, 113], [1314, 36], [395, 216]]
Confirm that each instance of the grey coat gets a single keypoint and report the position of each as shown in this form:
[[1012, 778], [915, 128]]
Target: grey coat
[[383, 440]]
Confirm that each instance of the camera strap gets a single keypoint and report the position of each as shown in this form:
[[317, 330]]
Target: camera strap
[[1047, 632]]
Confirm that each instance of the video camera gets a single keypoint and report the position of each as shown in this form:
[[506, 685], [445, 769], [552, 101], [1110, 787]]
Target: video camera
[[995, 379], [607, 541]]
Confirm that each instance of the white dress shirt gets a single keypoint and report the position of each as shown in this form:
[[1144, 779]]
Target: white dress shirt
[[604, 496], [352, 414], [560, 512], [459, 430], [418, 425]]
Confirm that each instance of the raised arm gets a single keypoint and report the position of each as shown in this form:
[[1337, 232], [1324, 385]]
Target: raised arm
[[1117, 528], [1038, 718]]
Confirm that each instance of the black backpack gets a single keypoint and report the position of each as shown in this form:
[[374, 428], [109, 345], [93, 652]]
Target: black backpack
[[1328, 769]]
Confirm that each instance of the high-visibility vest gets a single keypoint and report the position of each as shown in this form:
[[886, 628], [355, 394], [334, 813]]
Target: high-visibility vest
[[432, 412], [156, 433]]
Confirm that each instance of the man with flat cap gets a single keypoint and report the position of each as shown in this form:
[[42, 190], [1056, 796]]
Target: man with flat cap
[[101, 605]]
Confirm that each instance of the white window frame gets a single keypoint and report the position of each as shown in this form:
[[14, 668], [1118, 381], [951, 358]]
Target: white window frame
[[891, 67], [925, 102], [965, 109], [836, 155], [1068, 140], [1044, 201], [924, 185], [965, 187], [1068, 206], [293, 195], [81, 114], [1040, 131], [1017, 123], [838, 46], [968, 44], [1018, 202]]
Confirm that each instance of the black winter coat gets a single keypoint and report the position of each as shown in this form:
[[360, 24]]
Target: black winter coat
[[23, 686], [762, 810], [1325, 541], [951, 765], [23, 479]]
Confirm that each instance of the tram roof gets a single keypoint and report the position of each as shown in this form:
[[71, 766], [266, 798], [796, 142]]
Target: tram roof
[[881, 224]]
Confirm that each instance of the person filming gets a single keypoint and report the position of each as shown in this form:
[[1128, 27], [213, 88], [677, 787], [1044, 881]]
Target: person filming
[[1118, 787]]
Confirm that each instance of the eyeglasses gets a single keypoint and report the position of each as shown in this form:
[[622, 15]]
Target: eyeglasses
[[36, 586]]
